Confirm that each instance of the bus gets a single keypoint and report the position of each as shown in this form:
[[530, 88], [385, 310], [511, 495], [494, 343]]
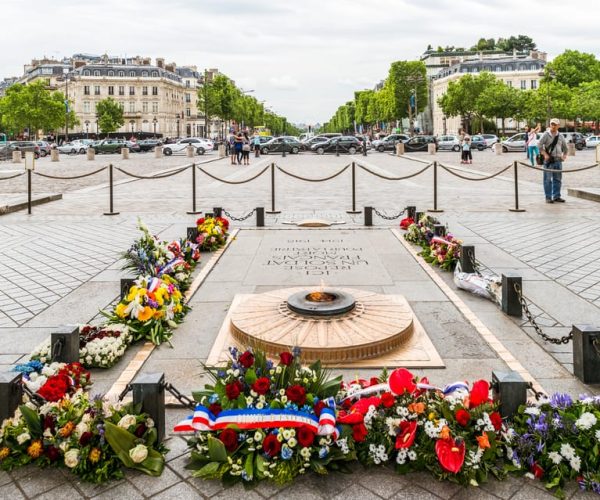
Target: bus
[[262, 130]]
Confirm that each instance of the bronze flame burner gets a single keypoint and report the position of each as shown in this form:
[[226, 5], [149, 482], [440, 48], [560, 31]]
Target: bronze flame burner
[[321, 303]]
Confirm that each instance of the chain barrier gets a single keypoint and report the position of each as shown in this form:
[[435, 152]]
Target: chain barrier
[[233, 182], [538, 395], [159, 176], [239, 219], [389, 217], [450, 170], [12, 176], [563, 171], [475, 264], [313, 180], [381, 176], [72, 177], [562, 340], [182, 398]]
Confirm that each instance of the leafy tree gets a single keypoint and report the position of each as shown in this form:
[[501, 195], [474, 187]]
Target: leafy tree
[[110, 115], [208, 102], [407, 86], [521, 43], [573, 68], [586, 101], [498, 100]]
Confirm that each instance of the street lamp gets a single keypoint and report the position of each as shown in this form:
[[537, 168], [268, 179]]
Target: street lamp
[[154, 120], [444, 124], [66, 76], [177, 121], [87, 129], [413, 101]]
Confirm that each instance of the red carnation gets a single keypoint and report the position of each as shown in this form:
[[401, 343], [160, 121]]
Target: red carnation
[[404, 223], [200, 221], [537, 471], [229, 438], [296, 394], [233, 390], [215, 409], [406, 437], [286, 358], [388, 399], [496, 420], [480, 393], [53, 453], [262, 385], [462, 417], [85, 438], [305, 436], [271, 445], [55, 388], [359, 433], [318, 407], [247, 359]]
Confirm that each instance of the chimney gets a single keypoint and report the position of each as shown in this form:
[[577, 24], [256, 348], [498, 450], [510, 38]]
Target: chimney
[[169, 67], [160, 62], [146, 61], [514, 53], [174, 66], [79, 64]]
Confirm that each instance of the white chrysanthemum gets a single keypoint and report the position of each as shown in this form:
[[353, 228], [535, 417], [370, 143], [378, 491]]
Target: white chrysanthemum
[[586, 421], [567, 451], [532, 410], [598, 434], [555, 457], [575, 463]]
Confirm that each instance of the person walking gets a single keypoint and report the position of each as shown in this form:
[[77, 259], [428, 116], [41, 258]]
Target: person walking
[[231, 143], [238, 144], [554, 149], [532, 144], [467, 157], [256, 144]]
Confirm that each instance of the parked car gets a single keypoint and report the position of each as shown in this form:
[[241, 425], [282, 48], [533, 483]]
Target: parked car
[[307, 144], [490, 139], [23, 146], [366, 142], [479, 142], [281, 144], [109, 146], [69, 148], [265, 138], [420, 143], [180, 147], [134, 147], [575, 137], [449, 143], [45, 148], [344, 144], [592, 141], [389, 142], [516, 142], [149, 144], [202, 145]]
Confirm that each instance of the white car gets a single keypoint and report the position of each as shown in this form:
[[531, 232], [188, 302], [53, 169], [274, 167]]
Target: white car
[[200, 143], [592, 141], [180, 147], [70, 148]]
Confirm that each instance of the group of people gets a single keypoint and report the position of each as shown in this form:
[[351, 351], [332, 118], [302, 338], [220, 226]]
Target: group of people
[[240, 145]]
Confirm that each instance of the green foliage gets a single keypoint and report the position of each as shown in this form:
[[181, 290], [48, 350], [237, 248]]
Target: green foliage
[[586, 101], [110, 115], [572, 68]]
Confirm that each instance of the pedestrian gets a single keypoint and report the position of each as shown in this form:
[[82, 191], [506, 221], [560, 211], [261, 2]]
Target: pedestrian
[[246, 149], [467, 157], [554, 149], [532, 144], [231, 143], [238, 144], [256, 144]]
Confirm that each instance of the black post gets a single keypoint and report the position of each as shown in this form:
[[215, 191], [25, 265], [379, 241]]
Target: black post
[[516, 176], [511, 304], [208, 215], [586, 353], [218, 211], [353, 211], [510, 390], [439, 230], [29, 191], [435, 189], [126, 284], [368, 216], [11, 394], [149, 390], [411, 212], [283, 152], [192, 233], [273, 211], [64, 344], [337, 152], [111, 194], [260, 216], [193, 211], [418, 216], [467, 257]]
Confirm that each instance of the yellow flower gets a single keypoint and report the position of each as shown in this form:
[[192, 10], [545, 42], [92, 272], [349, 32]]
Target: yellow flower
[[431, 416], [35, 449], [445, 432], [94, 455], [67, 430], [146, 313], [120, 310], [177, 308], [158, 314], [132, 293], [4, 452], [176, 294]]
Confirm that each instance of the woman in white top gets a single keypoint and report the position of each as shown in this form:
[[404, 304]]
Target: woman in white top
[[532, 144]]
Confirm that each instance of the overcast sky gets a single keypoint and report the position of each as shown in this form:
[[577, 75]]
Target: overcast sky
[[303, 57]]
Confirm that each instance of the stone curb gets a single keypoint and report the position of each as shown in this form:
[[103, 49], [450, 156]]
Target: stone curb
[[585, 194], [7, 209]]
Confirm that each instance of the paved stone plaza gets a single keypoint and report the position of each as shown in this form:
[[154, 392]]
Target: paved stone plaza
[[61, 265]]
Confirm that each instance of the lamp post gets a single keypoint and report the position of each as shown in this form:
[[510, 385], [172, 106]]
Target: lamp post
[[66, 76], [87, 129], [177, 121], [413, 101], [154, 120], [444, 124]]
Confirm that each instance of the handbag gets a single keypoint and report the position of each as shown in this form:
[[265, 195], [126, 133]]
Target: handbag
[[540, 158]]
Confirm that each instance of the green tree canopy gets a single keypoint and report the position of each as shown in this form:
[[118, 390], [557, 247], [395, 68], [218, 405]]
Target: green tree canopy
[[573, 68], [110, 115]]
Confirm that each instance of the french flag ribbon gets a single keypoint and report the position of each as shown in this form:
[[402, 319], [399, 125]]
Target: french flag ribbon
[[438, 239], [249, 419], [153, 284], [170, 265]]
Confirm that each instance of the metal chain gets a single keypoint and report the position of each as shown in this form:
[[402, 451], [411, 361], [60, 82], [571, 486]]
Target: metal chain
[[124, 392], [389, 217], [36, 399], [239, 219], [538, 395], [563, 340], [182, 398], [474, 264]]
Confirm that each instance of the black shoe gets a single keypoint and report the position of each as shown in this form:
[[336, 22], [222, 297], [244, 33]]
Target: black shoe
[[548, 200], [559, 200]]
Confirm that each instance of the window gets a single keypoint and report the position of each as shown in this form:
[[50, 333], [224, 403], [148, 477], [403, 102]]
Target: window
[[498, 69], [86, 90], [523, 84], [534, 84], [188, 98], [121, 90], [144, 90], [111, 90], [96, 89], [188, 112], [509, 68], [132, 73], [509, 83], [187, 84], [111, 73], [121, 74], [154, 90], [86, 72], [86, 106], [144, 73], [96, 73], [155, 74], [131, 90], [155, 107], [132, 106], [144, 107]]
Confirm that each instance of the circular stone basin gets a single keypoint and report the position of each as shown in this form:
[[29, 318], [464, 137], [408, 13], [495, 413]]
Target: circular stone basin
[[321, 303]]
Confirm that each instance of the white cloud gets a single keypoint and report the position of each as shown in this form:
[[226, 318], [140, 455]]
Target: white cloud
[[284, 82]]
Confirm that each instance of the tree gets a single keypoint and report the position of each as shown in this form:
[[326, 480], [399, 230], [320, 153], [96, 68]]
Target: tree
[[586, 102], [498, 100], [110, 115], [521, 43], [208, 101], [407, 87], [573, 68]]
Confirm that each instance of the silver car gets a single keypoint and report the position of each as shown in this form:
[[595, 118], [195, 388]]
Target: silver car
[[516, 142], [448, 143]]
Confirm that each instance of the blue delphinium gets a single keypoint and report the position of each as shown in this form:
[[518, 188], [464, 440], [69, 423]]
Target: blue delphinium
[[560, 401], [286, 452], [323, 452]]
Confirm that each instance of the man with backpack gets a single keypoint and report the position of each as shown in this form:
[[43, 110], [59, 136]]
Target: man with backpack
[[553, 147]]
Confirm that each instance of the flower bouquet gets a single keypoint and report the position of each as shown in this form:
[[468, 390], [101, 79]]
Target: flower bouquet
[[91, 438], [257, 421], [558, 440], [99, 346], [406, 223], [442, 251], [151, 309], [421, 232], [212, 232], [455, 433], [54, 381]]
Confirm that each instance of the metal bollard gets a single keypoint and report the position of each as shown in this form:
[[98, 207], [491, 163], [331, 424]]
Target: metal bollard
[[411, 212], [511, 304], [337, 151], [64, 344], [126, 284], [111, 210], [283, 153], [218, 211], [11, 394], [439, 230], [467, 257], [260, 216], [125, 153], [192, 233], [586, 353], [368, 216], [149, 391], [510, 390], [90, 153], [208, 215], [418, 216]]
